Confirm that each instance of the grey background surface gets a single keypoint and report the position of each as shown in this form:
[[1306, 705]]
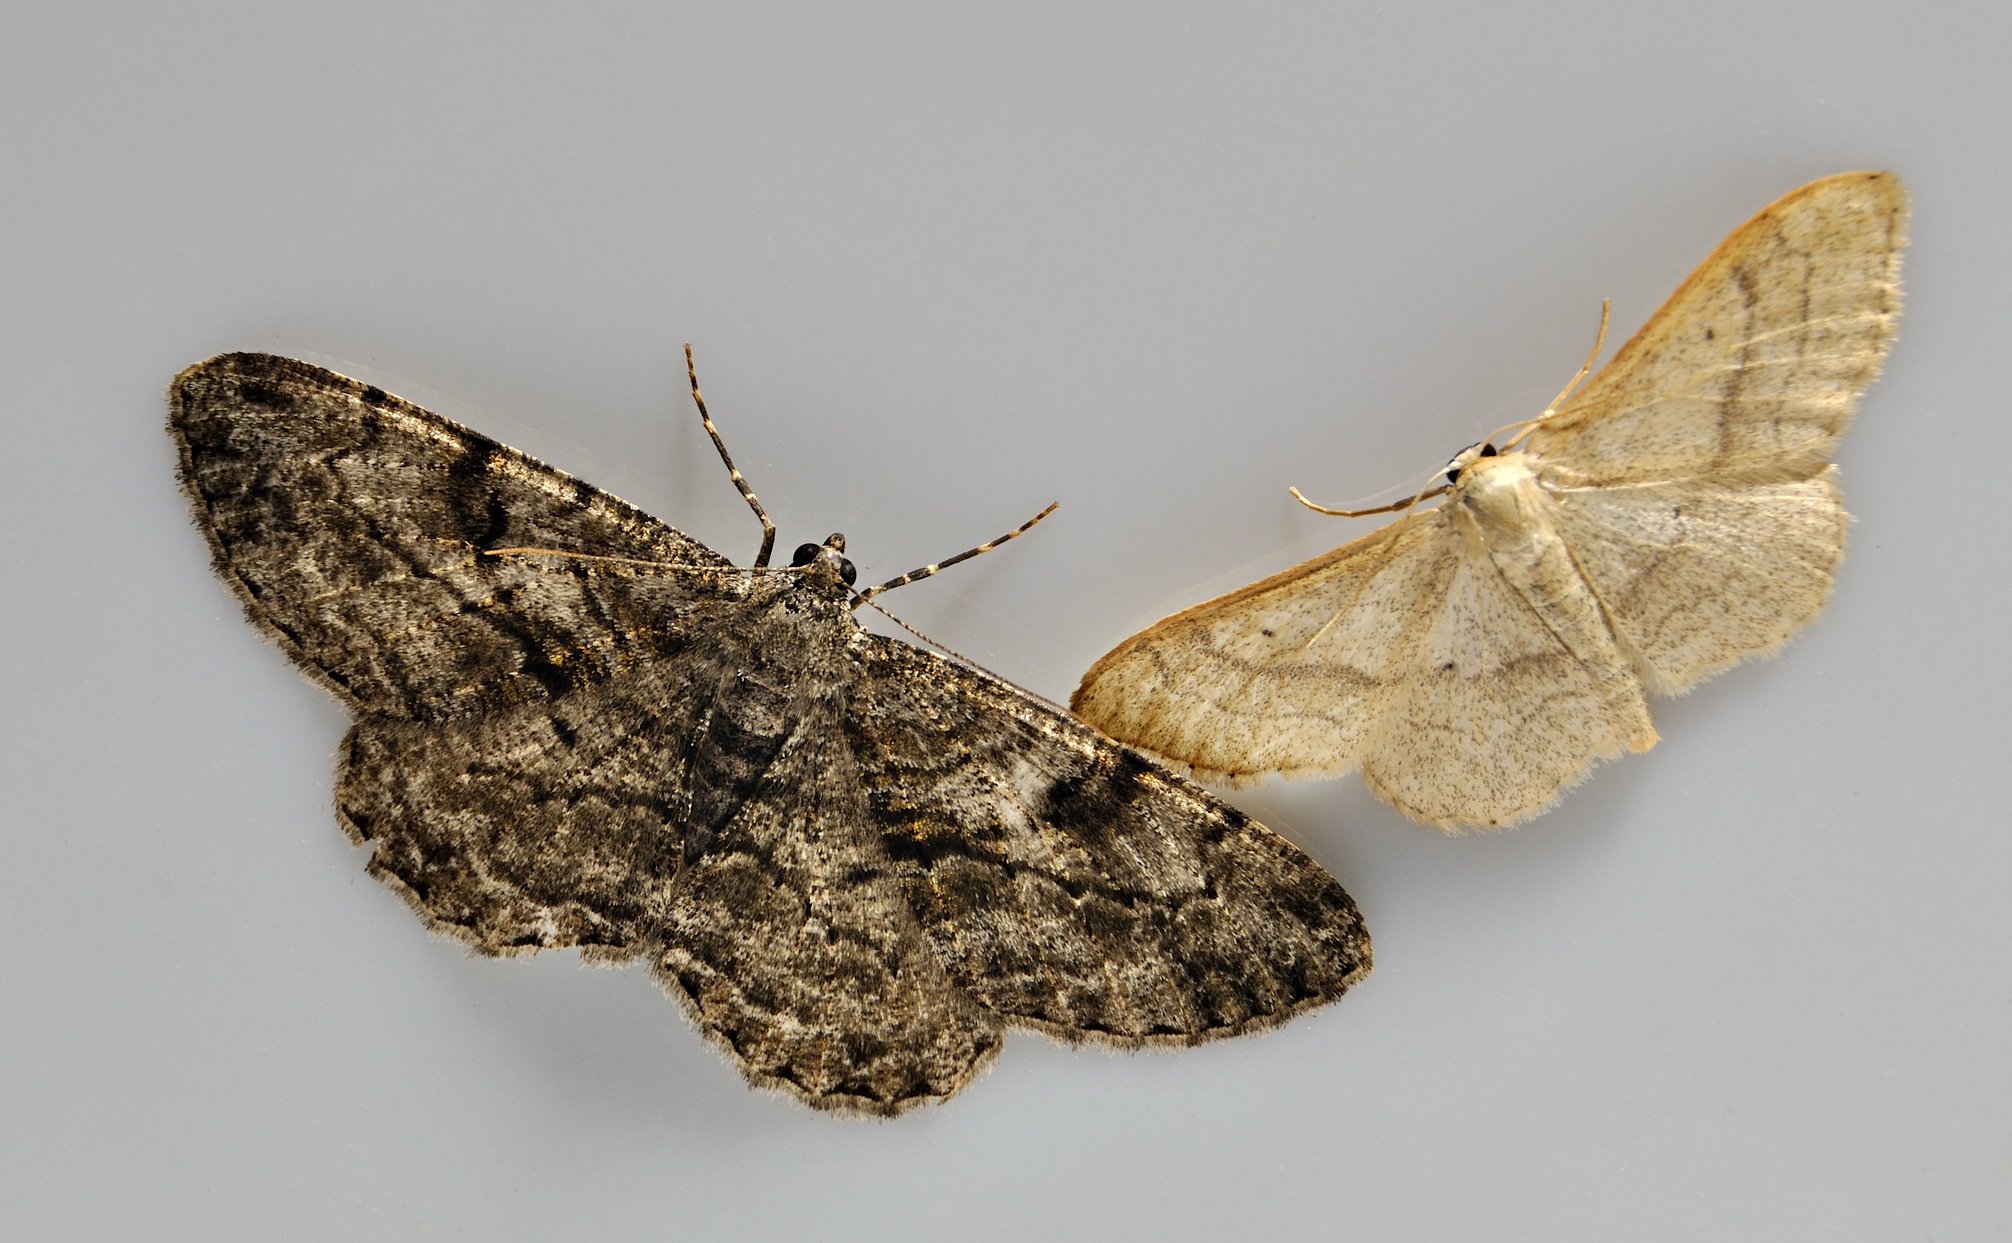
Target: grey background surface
[[942, 265]]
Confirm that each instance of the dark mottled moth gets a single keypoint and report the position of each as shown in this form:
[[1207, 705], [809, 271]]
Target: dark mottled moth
[[855, 862]]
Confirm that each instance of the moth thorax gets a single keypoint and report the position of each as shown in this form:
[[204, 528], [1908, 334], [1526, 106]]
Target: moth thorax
[[1500, 496]]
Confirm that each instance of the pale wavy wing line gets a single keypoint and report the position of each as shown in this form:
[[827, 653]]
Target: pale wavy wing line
[[1701, 378], [1232, 689], [1696, 386], [1697, 577]]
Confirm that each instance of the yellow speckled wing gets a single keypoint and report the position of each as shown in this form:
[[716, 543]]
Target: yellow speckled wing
[[1697, 576], [1750, 372], [1285, 675], [1400, 653], [1692, 474]]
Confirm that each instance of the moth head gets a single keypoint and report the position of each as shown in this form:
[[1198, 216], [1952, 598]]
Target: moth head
[[826, 563], [1466, 458]]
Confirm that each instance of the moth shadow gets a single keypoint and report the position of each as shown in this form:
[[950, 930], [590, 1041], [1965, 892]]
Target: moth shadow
[[607, 1046], [1408, 876]]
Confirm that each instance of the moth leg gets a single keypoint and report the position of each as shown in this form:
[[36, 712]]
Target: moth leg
[[733, 472]]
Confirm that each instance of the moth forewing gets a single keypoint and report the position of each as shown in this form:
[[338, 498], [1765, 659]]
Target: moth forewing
[[1750, 371]]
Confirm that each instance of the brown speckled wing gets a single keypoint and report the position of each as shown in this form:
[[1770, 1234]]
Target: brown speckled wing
[[853, 863], [1075, 886], [351, 524]]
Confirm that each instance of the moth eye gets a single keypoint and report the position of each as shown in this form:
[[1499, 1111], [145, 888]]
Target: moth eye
[[847, 571], [805, 554], [1454, 468]]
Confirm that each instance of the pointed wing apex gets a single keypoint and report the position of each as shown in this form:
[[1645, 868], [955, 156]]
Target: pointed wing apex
[[1751, 370]]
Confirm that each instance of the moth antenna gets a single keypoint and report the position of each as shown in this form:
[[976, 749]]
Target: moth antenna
[[905, 626], [913, 575], [951, 652], [1527, 426], [1426, 495], [733, 472], [1524, 427]]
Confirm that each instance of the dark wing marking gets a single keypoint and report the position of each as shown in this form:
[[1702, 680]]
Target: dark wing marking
[[536, 826], [791, 944], [349, 522], [1075, 887]]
